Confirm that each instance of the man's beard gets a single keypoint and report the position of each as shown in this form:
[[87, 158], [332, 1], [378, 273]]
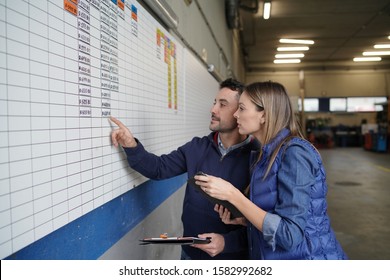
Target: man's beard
[[222, 128]]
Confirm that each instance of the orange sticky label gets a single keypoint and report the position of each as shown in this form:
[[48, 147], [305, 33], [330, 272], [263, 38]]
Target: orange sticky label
[[121, 5], [70, 7], [158, 38]]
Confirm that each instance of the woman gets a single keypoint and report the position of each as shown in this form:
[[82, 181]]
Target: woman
[[287, 209]]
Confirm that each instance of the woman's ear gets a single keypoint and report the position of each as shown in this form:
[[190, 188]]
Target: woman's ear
[[262, 117]]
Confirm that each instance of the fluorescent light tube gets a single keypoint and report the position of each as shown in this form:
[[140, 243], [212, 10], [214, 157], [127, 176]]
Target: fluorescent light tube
[[296, 41], [290, 55], [362, 59], [382, 46], [287, 49], [376, 53], [267, 10], [281, 61]]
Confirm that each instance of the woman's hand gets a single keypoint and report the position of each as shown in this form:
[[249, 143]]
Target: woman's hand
[[224, 214], [216, 187]]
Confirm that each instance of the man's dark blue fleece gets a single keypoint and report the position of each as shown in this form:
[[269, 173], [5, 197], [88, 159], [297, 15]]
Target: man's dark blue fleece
[[201, 154]]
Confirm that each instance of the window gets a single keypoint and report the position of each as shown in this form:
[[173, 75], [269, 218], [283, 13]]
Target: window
[[365, 104], [338, 104], [310, 104]]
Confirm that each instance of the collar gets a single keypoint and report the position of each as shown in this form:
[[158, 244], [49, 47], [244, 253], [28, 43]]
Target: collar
[[271, 146], [224, 150]]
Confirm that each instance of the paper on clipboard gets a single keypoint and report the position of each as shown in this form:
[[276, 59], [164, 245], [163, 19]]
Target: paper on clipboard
[[176, 240]]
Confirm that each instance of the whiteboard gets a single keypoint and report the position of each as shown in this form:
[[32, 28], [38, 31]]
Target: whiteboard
[[65, 67]]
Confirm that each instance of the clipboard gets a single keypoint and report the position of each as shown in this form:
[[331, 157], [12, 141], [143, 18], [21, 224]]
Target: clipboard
[[176, 240], [234, 212]]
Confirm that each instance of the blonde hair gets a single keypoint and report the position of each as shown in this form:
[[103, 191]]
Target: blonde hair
[[272, 97]]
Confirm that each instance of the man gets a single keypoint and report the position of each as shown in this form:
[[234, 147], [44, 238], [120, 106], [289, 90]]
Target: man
[[223, 153]]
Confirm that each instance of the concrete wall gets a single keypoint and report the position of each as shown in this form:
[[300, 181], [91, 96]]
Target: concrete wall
[[202, 24]]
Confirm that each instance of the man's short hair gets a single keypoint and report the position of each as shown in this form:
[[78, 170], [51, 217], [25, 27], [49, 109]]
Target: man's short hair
[[233, 85]]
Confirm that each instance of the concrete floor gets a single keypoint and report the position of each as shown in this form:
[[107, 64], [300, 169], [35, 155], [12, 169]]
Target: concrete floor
[[358, 206], [359, 201]]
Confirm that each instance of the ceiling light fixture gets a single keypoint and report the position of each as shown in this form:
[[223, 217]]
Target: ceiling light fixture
[[363, 59], [290, 55], [382, 46], [296, 41], [376, 53], [267, 9], [280, 61], [288, 49]]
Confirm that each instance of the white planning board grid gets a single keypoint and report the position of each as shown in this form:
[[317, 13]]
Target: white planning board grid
[[65, 67]]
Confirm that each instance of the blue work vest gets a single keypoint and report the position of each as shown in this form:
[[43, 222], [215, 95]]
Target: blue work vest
[[319, 240]]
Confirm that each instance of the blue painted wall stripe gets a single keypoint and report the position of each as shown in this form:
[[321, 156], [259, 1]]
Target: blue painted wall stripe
[[89, 236]]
